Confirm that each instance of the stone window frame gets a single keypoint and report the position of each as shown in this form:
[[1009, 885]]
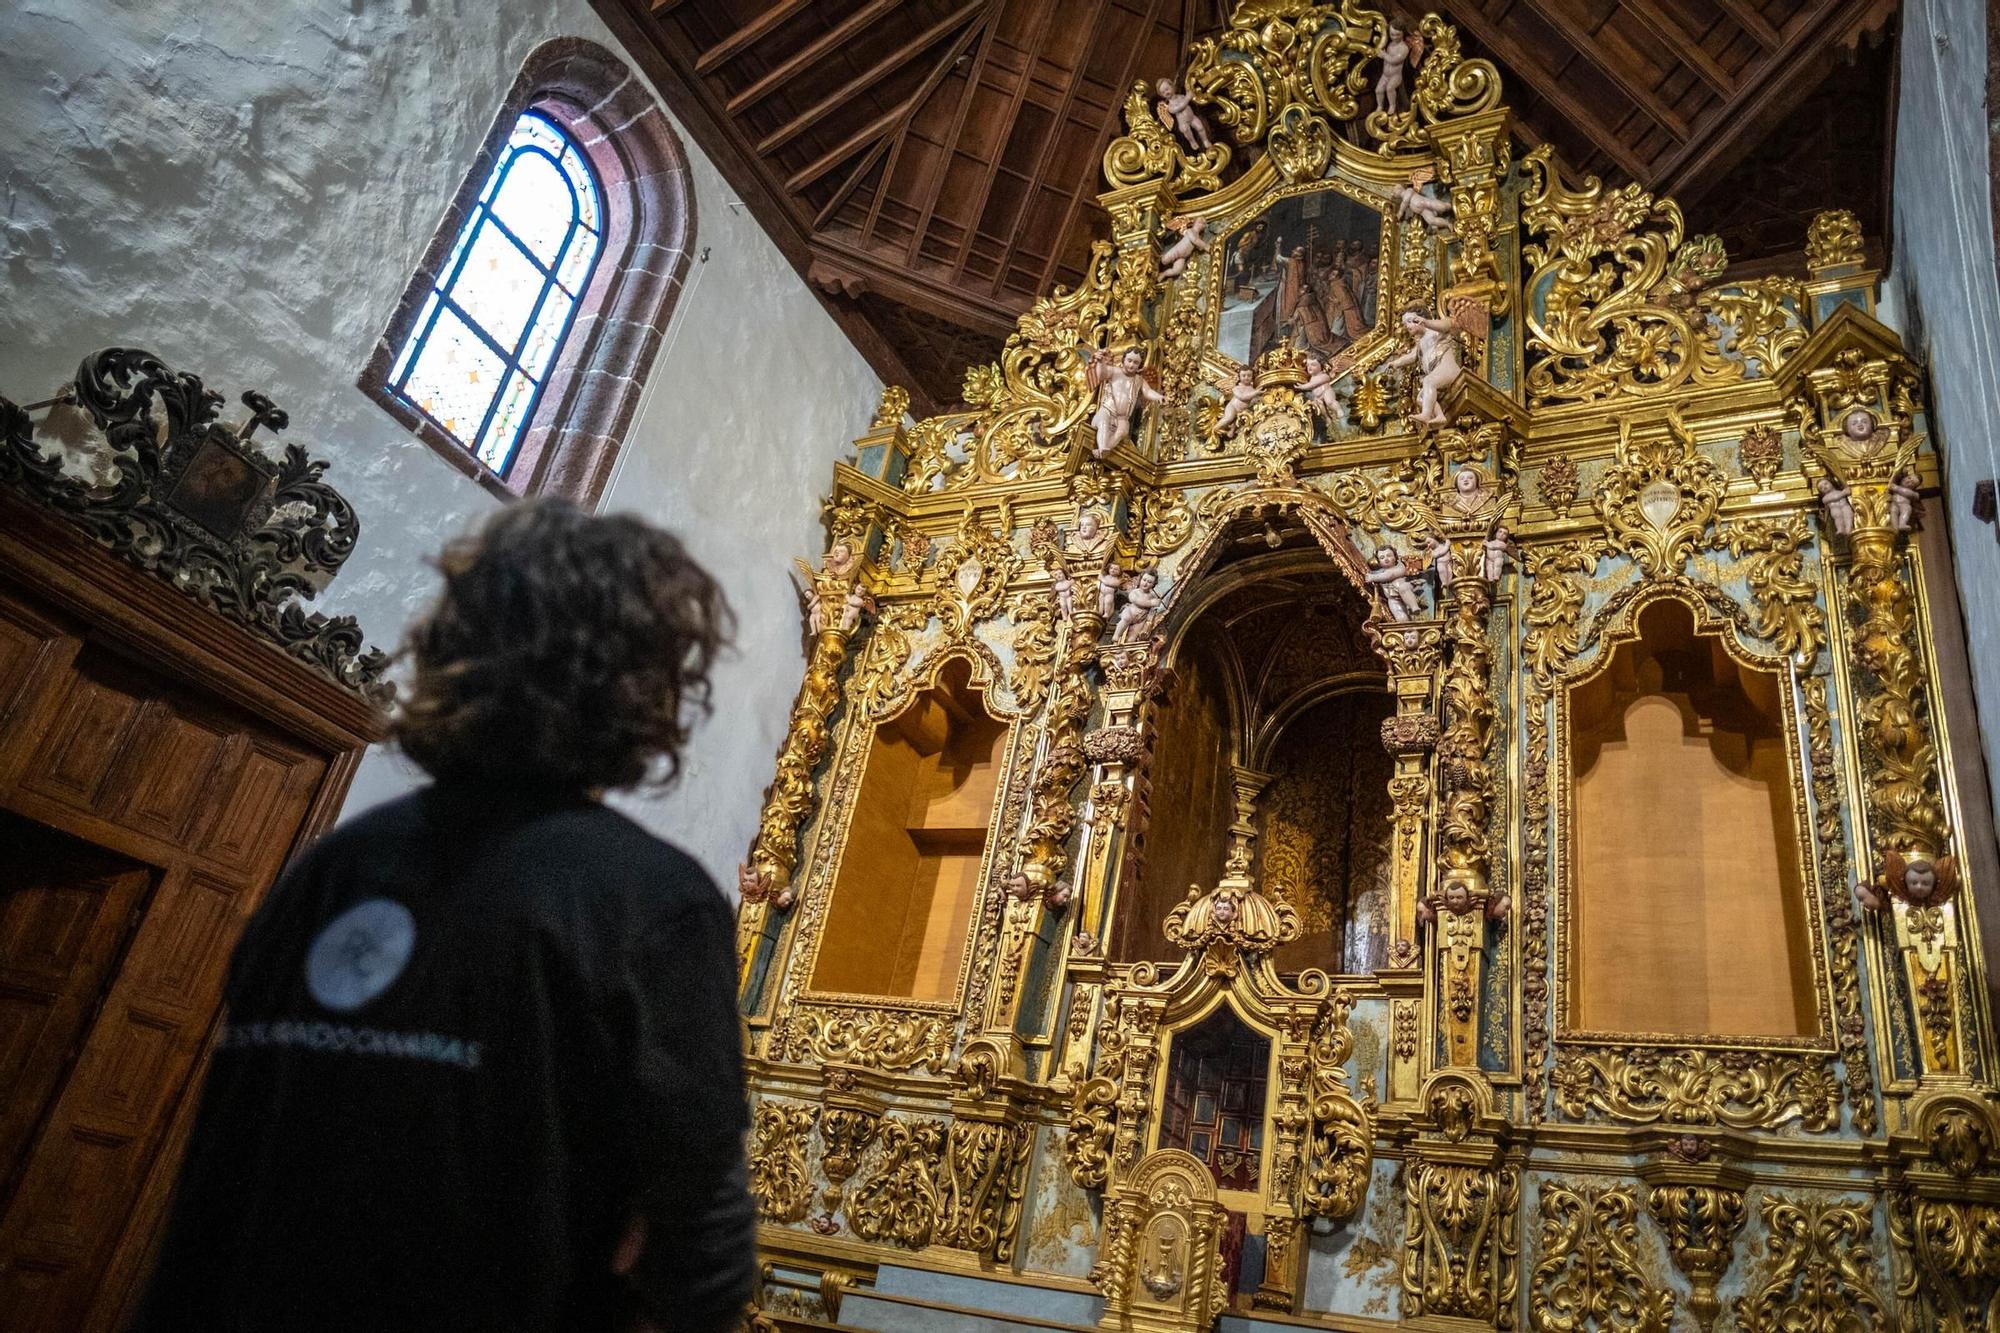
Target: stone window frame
[[572, 443]]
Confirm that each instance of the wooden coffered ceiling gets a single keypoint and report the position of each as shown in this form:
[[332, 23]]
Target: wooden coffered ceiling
[[931, 165]]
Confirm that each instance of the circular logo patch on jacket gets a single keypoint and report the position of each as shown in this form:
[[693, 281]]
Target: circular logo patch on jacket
[[359, 953]]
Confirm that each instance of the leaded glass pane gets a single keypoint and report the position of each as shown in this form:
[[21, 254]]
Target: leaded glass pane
[[455, 377], [475, 359], [536, 204]]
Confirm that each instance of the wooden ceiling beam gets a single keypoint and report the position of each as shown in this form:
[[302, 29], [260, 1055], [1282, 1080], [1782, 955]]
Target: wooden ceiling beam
[[1531, 71], [874, 130], [868, 78], [748, 35], [1684, 44], [830, 40], [951, 141], [893, 141], [1083, 187], [1747, 18], [1055, 137], [1585, 45], [1020, 95], [1727, 132]]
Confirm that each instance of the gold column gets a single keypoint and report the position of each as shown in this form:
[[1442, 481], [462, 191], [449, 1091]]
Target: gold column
[[1414, 649], [1464, 899]]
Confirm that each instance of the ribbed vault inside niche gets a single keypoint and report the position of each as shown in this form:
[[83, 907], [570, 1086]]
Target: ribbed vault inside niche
[[1687, 898], [1270, 675]]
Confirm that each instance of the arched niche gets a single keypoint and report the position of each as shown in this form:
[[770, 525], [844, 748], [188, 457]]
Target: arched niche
[[1215, 1098], [918, 832], [1273, 687], [1686, 900]]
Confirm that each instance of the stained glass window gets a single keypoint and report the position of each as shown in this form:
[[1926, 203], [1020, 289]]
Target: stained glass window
[[476, 358]]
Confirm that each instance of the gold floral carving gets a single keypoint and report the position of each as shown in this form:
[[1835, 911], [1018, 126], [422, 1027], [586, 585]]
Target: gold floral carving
[[1460, 1254], [1843, 932], [1740, 1089], [1761, 452], [779, 1180], [895, 402], [1341, 1130], [1150, 151], [1034, 622], [982, 1186], [1092, 1121], [845, 1132], [1817, 1274], [898, 1203], [1659, 496], [1588, 1275], [972, 571], [1833, 240], [1700, 1223], [1951, 1268], [1785, 600], [1558, 484], [1626, 305], [872, 1038]]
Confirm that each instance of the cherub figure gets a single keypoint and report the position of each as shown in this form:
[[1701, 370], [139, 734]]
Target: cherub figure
[[1193, 234], [1837, 504], [1065, 587], [754, 886], [1918, 879], [1399, 52], [1090, 545], [1859, 426], [1319, 391], [1241, 393], [1142, 607], [838, 575], [1905, 501], [1497, 549], [1176, 108], [1399, 588], [1121, 391], [1109, 584], [1415, 201], [1434, 353], [1438, 553]]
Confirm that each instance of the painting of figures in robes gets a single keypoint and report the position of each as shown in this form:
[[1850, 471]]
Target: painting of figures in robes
[[1303, 272]]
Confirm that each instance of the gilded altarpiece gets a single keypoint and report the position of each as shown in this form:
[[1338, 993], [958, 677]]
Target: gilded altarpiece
[[1415, 784]]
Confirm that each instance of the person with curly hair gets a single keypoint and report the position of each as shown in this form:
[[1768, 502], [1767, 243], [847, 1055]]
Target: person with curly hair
[[482, 1065]]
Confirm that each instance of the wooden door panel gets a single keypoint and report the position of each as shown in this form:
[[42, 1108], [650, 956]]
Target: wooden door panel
[[22, 648], [66, 909], [170, 764], [270, 791], [93, 723]]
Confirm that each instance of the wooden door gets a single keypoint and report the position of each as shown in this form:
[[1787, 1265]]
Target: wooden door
[[66, 911], [142, 816]]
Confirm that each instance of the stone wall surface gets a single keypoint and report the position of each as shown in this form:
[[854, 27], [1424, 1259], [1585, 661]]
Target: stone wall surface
[[1944, 270], [244, 187]]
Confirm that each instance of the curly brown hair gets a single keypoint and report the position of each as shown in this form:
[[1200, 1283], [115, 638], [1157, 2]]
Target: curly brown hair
[[567, 651]]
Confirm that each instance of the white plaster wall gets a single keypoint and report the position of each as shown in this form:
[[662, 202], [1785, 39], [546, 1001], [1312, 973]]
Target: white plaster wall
[[244, 186], [1949, 299]]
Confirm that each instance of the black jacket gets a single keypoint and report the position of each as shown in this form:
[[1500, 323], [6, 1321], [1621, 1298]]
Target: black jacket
[[471, 1034]]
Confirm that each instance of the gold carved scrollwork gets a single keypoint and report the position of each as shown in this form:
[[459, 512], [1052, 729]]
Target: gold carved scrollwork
[[1659, 496], [1951, 1277], [899, 1202], [872, 1038], [1817, 1274], [1700, 1223], [1588, 1275], [1740, 1089], [980, 1192], [1341, 1129], [1149, 150], [1092, 1121], [1842, 930], [778, 1177], [1034, 621], [1625, 307], [972, 572], [1785, 601], [1833, 240], [1463, 1240]]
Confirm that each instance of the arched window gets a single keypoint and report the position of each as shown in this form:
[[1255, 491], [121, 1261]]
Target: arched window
[[479, 355], [521, 344]]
